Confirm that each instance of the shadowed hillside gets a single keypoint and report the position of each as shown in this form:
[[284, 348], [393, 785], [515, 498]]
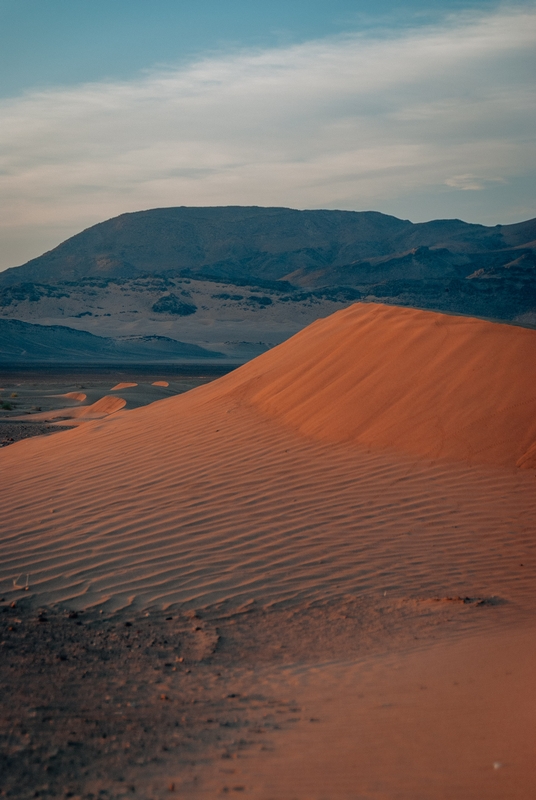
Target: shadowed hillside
[[24, 342], [310, 247]]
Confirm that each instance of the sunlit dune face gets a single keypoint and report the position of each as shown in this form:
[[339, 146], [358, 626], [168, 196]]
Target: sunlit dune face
[[78, 396], [120, 386], [429, 384]]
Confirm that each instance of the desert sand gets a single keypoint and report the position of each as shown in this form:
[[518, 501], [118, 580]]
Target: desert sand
[[124, 385], [339, 537]]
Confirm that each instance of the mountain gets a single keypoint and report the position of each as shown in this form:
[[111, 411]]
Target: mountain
[[250, 243], [240, 280], [24, 342]]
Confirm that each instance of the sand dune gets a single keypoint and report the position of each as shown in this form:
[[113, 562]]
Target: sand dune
[[371, 456], [433, 385], [106, 405], [120, 386], [217, 495], [79, 396]]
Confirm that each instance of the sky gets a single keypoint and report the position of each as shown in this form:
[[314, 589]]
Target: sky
[[423, 110]]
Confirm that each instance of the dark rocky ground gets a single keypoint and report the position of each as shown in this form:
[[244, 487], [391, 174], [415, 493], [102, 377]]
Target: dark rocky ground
[[123, 707], [140, 704]]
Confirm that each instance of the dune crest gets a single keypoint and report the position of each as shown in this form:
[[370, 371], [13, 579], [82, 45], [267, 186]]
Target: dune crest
[[120, 386], [425, 383], [103, 407], [106, 405]]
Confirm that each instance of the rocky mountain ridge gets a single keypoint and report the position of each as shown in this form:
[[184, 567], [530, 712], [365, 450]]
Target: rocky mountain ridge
[[23, 341], [305, 247]]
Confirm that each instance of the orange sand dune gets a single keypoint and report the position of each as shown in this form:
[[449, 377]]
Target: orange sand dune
[[119, 386], [203, 499], [106, 405], [430, 384], [101, 408], [80, 396], [160, 383]]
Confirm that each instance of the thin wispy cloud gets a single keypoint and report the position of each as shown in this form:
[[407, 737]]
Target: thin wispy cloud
[[375, 121]]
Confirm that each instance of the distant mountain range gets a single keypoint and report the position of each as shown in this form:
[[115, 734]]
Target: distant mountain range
[[23, 341], [241, 278]]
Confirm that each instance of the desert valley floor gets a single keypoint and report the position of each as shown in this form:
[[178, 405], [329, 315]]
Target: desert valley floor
[[310, 579]]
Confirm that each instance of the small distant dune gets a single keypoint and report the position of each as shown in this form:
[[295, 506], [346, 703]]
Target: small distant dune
[[160, 383], [106, 405], [79, 396], [101, 408], [120, 386]]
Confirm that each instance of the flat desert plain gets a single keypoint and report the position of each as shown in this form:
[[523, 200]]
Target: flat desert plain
[[311, 579]]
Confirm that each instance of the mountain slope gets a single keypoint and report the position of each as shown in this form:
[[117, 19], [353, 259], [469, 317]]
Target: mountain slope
[[25, 342], [254, 243]]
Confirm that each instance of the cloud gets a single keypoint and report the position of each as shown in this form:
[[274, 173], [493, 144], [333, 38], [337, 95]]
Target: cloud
[[465, 182], [360, 121]]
